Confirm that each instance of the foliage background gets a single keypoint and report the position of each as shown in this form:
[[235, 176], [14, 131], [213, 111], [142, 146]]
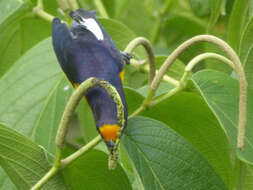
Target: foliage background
[[195, 145]]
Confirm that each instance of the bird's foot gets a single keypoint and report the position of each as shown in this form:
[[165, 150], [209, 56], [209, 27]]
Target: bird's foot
[[126, 57]]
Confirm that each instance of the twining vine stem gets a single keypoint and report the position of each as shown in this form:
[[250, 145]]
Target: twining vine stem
[[237, 67], [148, 47]]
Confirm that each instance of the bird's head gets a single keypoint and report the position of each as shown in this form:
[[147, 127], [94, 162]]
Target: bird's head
[[84, 19]]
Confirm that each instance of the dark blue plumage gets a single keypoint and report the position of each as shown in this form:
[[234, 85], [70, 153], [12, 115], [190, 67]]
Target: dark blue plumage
[[82, 55]]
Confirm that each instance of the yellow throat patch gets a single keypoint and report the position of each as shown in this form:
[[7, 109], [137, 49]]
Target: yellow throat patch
[[109, 132], [121, 75]]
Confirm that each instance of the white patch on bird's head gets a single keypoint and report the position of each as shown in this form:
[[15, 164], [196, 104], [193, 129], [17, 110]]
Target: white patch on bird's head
[[92, 25]]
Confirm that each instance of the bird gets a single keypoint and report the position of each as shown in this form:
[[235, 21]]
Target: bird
[[86, 50]]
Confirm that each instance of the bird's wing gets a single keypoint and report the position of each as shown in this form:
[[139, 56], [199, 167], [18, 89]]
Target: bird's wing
[[61, 38]]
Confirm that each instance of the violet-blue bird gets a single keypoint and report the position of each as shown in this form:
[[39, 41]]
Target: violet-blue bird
[[86, 50]]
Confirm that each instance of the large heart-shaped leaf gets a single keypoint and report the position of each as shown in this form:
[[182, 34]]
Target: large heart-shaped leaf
[[165, 160], [221, 93], [34, 94], [16, 30], [24, 161], [189, 116], [90, 172], [10, 13]]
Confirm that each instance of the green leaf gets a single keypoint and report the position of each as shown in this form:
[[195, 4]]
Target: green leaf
[[163, 88], [10, 14], [237, 21], [200, 7], [11, 10], [91, 171], [24, 161], [248, 177], [34, 94], [189, 116], [221, 93], [110, 7], [16, 30], [129, 12], [176, 70], [216, 7], [87, 121], [5, 182], [133, 99], [165, 160], [246, 52]]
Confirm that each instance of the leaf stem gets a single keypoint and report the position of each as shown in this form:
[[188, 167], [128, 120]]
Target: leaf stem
[[145, 104], [45, 178], [237, 67], [65, 162], [73, 4], [101, 9], [148, 47], [38, 10]]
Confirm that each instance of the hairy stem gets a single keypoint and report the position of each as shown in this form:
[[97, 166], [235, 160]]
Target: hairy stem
[[237, 67], [204, 56], [65, 162], [45, 178], [145, 104], [101, 9], [38, 10], [148, 47], [187, 72]]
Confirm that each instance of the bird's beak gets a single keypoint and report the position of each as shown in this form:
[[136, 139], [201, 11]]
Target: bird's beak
[[76, 16]]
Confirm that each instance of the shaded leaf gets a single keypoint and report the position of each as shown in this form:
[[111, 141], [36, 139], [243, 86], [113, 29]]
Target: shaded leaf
[[216, 7], [248, 178], [189, 116], [221, 93], [162, 89], [90, 171], [237, 21], [34, 94], [10, 14], [24, 161], [5, 182], [133, 99], [165, 160]]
